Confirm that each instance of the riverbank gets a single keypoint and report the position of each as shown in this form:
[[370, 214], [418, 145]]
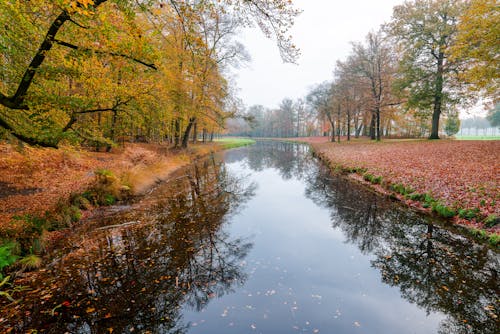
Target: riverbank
[[44, 190], [458, 180]]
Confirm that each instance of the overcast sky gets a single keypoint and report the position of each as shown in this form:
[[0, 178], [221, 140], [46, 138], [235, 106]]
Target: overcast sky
[[323, 32]]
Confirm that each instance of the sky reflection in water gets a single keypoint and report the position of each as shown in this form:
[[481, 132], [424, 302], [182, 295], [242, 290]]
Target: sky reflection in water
[[267, 241]]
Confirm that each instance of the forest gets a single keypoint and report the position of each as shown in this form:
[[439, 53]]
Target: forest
[[97, 72]]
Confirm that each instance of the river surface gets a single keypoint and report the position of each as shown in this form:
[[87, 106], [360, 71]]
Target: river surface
[[264, 239]]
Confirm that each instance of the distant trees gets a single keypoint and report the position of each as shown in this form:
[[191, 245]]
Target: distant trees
[[433, 57], [494, 116]]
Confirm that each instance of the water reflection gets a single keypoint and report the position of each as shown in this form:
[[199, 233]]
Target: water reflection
[[140, 277], [183, 250], [433, 267]]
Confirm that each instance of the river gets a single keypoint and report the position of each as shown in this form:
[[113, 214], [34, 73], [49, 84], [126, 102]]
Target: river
[[264, 239]]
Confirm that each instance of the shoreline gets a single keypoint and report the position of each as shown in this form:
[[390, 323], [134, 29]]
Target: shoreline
[[110, 180], [405, 194]]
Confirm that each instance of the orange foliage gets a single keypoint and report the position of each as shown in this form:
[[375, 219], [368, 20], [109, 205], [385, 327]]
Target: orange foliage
[[34, 180]]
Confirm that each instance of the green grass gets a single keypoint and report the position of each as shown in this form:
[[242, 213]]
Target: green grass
[[228, 143], [477, 137]]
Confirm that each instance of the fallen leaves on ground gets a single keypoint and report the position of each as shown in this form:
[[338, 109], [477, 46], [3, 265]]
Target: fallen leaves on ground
[[461, 174], [34, 180]]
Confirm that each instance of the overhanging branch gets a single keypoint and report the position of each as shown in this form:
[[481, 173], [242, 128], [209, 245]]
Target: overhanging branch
[[110, 53]]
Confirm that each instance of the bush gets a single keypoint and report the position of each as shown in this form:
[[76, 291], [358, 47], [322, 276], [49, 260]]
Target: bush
[[416, 197], [106, 189], [401, 189], [6, 257], [27, 232], [372, 178]]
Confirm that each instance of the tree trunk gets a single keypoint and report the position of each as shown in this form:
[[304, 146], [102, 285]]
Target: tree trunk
[[332, 123], [185, 137], [438, 98], [348, 125], [372, 127], [195, 132], [177, 132], [113, 130], [377, 112]]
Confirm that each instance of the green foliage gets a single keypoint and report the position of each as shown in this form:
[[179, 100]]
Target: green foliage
[[492, 220], [443, 210], [109, 199], [468, 213], [372, 178], [416, 197], [401, 189], [6, 257], [492, 238], [452, 125]]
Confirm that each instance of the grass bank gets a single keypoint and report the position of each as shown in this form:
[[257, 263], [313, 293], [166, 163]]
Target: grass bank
[[234, 142]]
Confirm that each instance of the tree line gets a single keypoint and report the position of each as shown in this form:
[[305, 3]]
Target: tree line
[[94, 72], [432, 58]]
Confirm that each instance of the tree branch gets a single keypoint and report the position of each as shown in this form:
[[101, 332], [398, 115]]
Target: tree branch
[[114, 54], [26, 139], [17, 100]]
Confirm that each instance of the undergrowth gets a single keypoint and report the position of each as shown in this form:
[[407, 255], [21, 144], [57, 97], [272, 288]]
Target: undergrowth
[[24, 241]]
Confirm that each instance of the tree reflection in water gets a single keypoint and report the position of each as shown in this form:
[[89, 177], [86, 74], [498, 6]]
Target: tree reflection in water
[[139, 277], [435, 268]]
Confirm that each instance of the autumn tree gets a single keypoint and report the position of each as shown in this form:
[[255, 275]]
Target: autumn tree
[[372, 64], [477, 46], [320, 99], [424, 31]]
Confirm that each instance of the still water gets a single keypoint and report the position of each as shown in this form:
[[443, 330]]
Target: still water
[[263, 239]]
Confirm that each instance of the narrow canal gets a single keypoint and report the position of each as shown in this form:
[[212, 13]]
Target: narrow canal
[[264, 239]]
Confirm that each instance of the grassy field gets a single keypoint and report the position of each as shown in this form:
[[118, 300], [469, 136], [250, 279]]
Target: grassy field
[[477, 137], [230, 142]]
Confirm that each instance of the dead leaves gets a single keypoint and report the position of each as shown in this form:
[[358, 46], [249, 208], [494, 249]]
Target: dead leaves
[[461, 174]]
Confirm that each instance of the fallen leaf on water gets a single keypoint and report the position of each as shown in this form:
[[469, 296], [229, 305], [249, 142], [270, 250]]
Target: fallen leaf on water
[[90, 309]]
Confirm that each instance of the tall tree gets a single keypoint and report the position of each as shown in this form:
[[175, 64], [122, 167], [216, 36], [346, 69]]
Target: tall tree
[[373, 64], [424, 31]]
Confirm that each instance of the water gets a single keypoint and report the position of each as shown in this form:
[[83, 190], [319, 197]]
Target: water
[[264, 240]]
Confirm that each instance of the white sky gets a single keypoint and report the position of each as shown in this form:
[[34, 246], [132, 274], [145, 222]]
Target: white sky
[[323, 32]]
